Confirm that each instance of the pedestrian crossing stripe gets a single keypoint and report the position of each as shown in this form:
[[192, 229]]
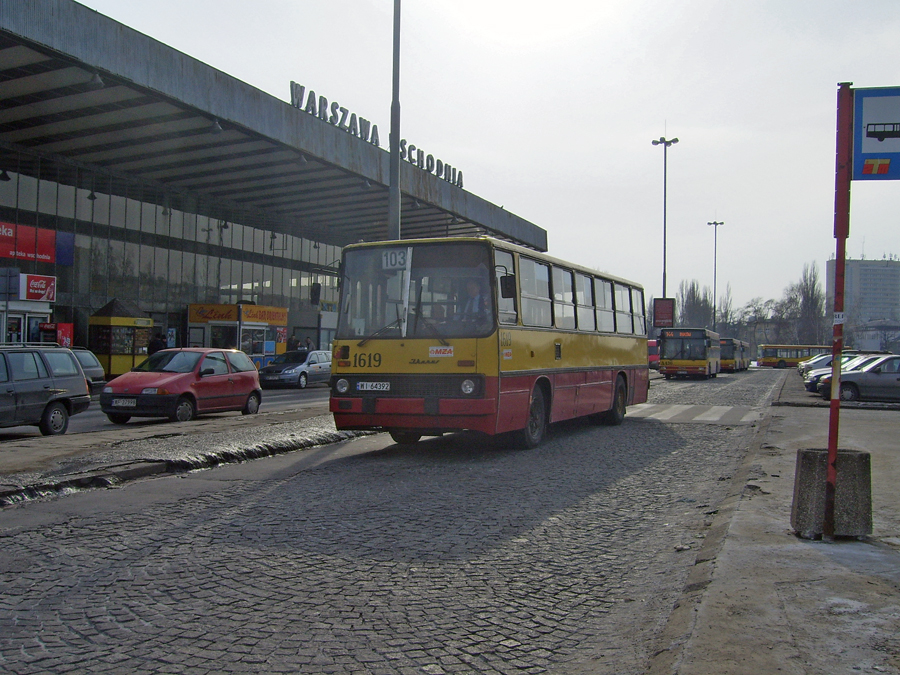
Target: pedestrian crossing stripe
[[701, 414]]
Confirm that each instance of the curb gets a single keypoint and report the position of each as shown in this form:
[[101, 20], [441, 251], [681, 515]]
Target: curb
[[113, 476], [679, 627]]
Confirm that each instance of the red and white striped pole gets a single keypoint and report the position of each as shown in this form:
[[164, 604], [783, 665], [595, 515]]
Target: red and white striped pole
[[843, 172]]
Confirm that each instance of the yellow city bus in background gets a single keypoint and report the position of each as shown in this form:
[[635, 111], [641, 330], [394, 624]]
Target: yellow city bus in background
[[782, 356], [735, 355], [686, 352], [452, 334]]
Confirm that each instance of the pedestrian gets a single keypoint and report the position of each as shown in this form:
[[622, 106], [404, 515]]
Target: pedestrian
[[309, 343], [292, 343], [157, 343]]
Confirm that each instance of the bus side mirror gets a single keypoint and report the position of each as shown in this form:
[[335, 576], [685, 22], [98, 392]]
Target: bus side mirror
[[508, 286], [315, 292]]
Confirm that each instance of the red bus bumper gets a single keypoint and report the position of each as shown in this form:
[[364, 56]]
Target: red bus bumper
[[410, 413]]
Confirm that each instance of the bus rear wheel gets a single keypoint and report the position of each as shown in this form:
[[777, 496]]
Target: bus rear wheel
[[616, 415], [405, 437], [536, 425]]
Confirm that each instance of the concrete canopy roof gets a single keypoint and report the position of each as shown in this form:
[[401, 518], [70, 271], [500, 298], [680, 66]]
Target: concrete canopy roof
[[94, 96]]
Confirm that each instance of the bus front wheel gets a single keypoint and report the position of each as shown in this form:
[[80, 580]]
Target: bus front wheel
[[536, 426]]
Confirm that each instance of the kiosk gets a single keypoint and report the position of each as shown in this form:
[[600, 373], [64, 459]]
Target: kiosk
[[257, 330], [118, 333]]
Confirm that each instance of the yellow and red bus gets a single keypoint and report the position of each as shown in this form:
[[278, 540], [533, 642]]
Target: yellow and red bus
[[451, 334], [735, 355], [782, 356], [689, 352]]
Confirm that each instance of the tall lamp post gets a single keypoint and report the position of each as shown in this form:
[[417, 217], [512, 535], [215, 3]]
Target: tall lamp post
[[715, 225], [665, 143], [394, 159]]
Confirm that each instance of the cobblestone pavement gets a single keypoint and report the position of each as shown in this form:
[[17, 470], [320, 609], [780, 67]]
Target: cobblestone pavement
[[456, 556]]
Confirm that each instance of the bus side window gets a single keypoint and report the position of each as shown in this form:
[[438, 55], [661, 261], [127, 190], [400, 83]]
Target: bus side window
[[637, 304], [623, 309], [503, 267], [563, 298], [584, 302], [534, 284], [604, 303]]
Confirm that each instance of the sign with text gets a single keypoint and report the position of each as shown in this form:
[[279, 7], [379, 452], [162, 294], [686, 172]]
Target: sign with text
[[24, 242], [663, 312], [37, 287], [876, 134]]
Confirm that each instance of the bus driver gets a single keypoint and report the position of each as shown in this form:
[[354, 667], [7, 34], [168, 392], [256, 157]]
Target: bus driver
[[475, 307]]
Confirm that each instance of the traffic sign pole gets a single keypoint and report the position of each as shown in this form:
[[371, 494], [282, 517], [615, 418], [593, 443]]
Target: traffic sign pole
[[843, 173]]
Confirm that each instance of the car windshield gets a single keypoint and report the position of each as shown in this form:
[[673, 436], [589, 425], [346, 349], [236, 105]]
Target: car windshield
[[170, 362], [291, 357]]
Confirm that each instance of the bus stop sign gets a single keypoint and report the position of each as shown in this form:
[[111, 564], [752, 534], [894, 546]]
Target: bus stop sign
[[876, 134]]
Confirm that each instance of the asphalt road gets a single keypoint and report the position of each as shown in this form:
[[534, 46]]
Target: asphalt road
[[93, 419], [454, 556]]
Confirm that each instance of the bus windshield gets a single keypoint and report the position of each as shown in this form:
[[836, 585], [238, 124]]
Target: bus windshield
[[426, 290], [691, 349]]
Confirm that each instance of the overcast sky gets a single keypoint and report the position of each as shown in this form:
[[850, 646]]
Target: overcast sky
[[549, 109]]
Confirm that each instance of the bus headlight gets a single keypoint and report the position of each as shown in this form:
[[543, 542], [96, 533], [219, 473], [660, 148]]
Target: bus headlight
[[468, 387], [342, 386]]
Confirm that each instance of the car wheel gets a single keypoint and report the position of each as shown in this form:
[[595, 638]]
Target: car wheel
[[301, 381], [184, 410], [405, 437], [118, 418], [849, 391], [536, 426], [251, 407], [55, 420], [616, 415]]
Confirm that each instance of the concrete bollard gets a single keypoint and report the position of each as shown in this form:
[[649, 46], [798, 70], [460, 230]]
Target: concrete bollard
[[852, 496]]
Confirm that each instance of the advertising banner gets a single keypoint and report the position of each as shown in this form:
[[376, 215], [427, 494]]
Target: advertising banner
[[24, 242], [37, 287], [663, 312]]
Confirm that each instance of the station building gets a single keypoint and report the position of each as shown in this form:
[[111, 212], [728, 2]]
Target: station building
[[137, 180]]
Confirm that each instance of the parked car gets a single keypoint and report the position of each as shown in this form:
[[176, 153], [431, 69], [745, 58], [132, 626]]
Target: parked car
[[41, 385], [93, 369], [183, 383], [820, 361], [812, 378], [877, 381], [297, 369]]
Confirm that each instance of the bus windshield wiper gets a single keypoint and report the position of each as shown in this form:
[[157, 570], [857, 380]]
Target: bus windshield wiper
[[382, 330]]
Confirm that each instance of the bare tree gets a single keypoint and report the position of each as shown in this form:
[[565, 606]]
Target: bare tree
[[726, 319], [694, 305]]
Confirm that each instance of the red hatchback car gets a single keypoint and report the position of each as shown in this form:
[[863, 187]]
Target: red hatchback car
[[183, 383]]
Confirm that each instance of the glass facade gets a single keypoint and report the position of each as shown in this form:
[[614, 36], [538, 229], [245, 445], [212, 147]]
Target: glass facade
[[103, 243]]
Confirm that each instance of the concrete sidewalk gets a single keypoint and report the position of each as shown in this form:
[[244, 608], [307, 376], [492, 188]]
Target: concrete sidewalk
[[762, 600]]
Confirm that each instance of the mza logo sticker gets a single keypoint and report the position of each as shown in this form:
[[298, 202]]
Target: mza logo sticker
[[440, 351]]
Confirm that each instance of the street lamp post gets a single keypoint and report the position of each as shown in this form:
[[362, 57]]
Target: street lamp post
[[665, 143], [715, 224], [394, 159]]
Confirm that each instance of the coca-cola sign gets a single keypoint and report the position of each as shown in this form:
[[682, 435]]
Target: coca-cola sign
[[37, 287]]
